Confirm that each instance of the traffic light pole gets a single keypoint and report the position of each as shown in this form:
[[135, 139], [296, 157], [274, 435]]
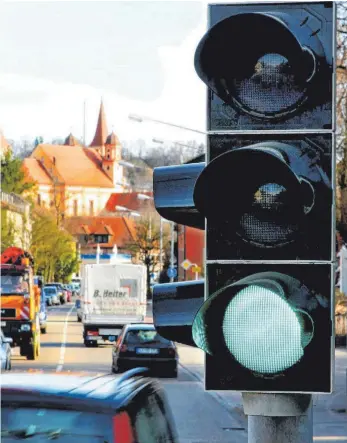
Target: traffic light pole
[[172, 248], [276, 418]]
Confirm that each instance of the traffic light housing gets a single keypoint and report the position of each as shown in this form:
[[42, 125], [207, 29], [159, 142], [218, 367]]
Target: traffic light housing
[[268, 66], [266, 194]]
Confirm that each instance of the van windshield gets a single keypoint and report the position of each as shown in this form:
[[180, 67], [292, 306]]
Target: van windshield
[[14, 282]]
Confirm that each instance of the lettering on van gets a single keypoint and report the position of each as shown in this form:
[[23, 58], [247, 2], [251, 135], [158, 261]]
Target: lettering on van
[[117, 293]]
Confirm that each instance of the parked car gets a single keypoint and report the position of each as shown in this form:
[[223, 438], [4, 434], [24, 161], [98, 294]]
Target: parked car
[[68, 293], [140, 345], [50, 295], [43, 317], [61, 291], [79, 310], [85, 408], [5, 351], [71, 289]]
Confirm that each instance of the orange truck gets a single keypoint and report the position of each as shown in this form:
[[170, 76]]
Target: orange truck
[[20, 302]]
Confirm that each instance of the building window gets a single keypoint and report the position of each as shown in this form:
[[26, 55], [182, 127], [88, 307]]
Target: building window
[[108, 168], [101, 238], [75, 207], [91, 207], [108, 156], [39, 199]]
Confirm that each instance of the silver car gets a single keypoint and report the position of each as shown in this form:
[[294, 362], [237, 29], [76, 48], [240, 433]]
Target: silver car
[[5, 351]]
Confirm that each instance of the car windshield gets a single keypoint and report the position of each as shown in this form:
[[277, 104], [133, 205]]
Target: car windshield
[[41, 425], [50, 290], [14, 283], [142, 336]]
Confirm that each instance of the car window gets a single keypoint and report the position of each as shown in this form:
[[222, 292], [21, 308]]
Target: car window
[[143, 336], [68, 425], [50, 290], [151, 425]]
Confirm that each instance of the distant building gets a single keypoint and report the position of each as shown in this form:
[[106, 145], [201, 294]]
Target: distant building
[[15, 221], [112, 234], [74, 179], [5, 147], [120, 202]]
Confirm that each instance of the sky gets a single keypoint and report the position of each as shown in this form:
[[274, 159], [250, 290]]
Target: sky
[[136, 56]]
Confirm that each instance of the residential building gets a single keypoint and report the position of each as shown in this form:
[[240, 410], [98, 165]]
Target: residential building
[[112, 234], [15, 221], [4, 145]]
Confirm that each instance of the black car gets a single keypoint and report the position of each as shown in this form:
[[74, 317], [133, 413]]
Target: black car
[[77, 408], [140, 345]]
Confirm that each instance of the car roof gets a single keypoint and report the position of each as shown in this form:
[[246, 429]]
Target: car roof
[[71, 390]]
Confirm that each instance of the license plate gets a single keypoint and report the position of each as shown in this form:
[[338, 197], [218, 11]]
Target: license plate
[[147, 351], [3, 323], [109, 331], [93, 337]]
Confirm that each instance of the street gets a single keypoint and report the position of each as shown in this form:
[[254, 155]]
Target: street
[[200, 417]]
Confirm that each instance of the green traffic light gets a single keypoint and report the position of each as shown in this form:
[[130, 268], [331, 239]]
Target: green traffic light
[[262, 330]]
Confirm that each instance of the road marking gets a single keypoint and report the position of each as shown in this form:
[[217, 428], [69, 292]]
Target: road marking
[[63, 342]]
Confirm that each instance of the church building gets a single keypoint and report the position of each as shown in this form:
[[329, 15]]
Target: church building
[[74, 179]]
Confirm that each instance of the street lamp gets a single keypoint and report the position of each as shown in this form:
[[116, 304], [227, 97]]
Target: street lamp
[[144, 197], [143, 118], [126, 164], [124, 209]]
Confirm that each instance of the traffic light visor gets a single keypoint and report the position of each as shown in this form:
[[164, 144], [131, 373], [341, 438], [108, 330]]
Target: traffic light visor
[[258, 64], [254, 193], [256, 317]]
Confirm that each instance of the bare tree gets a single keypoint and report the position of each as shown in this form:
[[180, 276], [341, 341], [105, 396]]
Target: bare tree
[[146, 244]]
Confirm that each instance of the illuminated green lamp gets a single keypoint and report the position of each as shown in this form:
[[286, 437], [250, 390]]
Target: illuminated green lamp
[[259, 321]]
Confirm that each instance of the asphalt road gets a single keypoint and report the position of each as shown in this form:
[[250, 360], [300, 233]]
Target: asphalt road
[[199, 416]]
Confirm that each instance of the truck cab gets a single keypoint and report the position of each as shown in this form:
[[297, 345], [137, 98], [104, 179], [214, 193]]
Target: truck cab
[[20, 303]]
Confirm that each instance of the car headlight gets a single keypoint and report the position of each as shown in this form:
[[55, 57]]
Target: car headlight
[[25, 327]]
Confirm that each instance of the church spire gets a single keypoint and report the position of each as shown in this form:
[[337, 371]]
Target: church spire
[[101, 129]]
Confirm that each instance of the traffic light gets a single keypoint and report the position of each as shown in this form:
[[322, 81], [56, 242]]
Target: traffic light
[[268, 66], [266, 193]]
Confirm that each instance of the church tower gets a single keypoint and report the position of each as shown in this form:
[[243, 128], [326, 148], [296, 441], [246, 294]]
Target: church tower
[[111, 158], [109, 148]]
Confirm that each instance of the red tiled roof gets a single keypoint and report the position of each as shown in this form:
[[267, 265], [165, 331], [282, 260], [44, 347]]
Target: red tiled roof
[[121, 229], [128, 200], [36, 172], [76, 167]]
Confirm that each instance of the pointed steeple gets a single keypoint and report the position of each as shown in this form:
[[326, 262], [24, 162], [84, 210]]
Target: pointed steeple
[[101, 129]]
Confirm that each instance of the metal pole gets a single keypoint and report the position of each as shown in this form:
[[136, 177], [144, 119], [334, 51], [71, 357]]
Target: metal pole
[[274, 418], [98, 254], [172, 248], [161, 246]]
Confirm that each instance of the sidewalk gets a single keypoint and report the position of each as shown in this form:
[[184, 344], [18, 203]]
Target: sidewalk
[[329, 411]]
